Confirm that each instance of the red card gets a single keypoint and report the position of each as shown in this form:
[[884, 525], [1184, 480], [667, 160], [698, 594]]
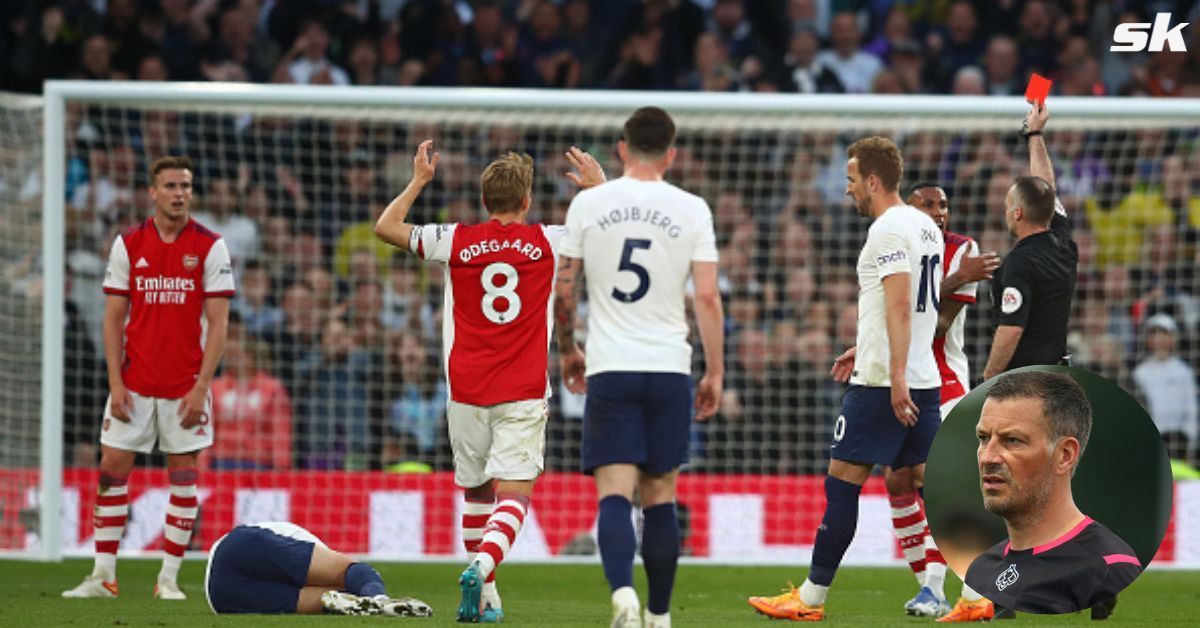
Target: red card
[[1039, 88]]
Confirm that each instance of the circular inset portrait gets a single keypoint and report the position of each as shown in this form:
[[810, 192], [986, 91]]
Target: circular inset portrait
[[1048, 490]]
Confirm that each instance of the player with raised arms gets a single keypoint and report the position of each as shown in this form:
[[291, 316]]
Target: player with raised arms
[[890, 411], [278, 568], [496, 339], [637, 239], [964, 268], [168, 286]]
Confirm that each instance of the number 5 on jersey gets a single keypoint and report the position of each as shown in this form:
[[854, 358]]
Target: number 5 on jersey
[[507, 290], [628, 264]]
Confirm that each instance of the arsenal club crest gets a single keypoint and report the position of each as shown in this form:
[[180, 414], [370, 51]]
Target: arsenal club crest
[[190, 262], [1007, 578]]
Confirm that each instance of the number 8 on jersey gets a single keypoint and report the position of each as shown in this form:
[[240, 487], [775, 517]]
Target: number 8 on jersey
[[508, 270]]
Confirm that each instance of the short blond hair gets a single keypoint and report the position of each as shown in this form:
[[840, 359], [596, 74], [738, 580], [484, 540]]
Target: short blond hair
[[506, 182]]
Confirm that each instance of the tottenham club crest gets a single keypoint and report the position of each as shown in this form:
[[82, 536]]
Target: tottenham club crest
[[190, 262], [1007, 578]]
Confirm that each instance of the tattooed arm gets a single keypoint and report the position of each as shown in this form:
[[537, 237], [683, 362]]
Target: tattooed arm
[[565, 298]]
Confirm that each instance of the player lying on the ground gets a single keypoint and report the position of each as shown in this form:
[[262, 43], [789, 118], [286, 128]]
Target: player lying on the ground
[[279, 567]]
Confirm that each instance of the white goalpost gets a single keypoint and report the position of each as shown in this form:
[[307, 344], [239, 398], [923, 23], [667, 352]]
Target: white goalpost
[[348, 330]]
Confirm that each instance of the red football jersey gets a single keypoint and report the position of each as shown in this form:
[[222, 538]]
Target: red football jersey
[[498, 307], [948, 349], [167, 284]]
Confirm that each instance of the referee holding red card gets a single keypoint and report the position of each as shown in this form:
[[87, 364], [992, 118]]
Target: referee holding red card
[[1034, 286]]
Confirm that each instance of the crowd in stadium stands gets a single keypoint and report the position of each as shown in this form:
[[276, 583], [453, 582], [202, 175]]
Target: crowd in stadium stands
[[809, 46], [335, 345]]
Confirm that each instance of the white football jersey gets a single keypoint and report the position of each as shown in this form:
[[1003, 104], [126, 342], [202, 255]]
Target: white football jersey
[[637, 240], [902, 240]]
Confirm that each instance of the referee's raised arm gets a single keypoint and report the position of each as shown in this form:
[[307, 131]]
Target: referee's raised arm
[[1033, 288]]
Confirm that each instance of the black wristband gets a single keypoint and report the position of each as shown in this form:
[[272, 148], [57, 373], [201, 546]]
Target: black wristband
[[1029, 134]]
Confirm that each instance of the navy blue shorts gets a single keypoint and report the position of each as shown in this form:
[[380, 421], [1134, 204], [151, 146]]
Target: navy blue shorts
[[254, 570], [637, 418], [868, 432]]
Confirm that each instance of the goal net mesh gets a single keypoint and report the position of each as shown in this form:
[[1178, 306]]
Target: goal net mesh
[[332, 379]]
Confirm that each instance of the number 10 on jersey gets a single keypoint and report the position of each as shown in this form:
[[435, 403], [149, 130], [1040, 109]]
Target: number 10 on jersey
[[930, 277]]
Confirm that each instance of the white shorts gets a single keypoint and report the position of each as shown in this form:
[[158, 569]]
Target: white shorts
[[949, 405], [506, 441], [154, 419]]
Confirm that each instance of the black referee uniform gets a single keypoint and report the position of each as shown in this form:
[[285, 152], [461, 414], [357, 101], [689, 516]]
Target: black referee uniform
[[1087, 565], [1033, 289]]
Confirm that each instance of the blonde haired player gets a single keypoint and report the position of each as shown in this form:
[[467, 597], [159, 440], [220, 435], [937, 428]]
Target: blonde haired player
[[496, 335]]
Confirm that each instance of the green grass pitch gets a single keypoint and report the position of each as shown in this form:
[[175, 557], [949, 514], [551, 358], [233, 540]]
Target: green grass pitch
[[549, 595]]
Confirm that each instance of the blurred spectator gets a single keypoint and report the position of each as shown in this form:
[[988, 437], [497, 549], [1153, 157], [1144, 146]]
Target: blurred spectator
[[418, 412], [746, 49], [237, 49], [1164, 74], [959, 45], [545, 57], [85, 384], [364, 311], [332, 424], [253, 301], [108, 195], [854, 68], [572, 43], [711, 70], [887, 82], [295, 346], [907, 60], [363, 62], [896, 29], [1036, 38], [251, 410], [1166, 385], [491, 50], [968, 81], [360, 236], [152, 67], [308, 60], [1121, 212], [95, 60], [219, 200], [404, 307], [1001, 68], [41, 52], [806, 74]]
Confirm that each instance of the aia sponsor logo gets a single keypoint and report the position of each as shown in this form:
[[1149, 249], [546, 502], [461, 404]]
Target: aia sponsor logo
[[1133, 36]]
